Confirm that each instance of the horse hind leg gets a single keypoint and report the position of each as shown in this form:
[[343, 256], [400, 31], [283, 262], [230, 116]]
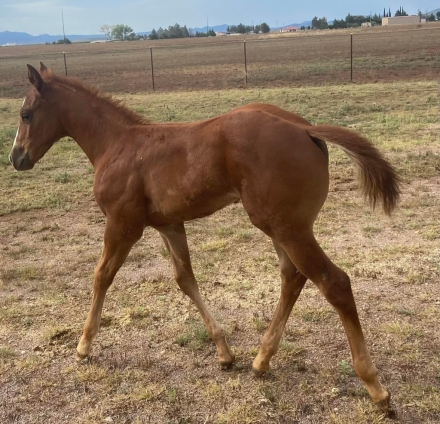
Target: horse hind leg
[[292, 282], [335, 285]]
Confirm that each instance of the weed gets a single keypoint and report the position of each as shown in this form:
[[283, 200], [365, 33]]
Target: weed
[[268, 393], [62, 177], [259, 324], [196, 339], [6, 352], [345, 368], [371, 230]]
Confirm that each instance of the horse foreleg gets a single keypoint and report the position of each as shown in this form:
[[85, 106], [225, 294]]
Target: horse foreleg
[[117, 245], [292, 284], [174, 237]]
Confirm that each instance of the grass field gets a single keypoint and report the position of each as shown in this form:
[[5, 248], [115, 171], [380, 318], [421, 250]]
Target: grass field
[[152, 361]]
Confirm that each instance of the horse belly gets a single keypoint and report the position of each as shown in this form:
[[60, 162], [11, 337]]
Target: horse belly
[[177, 208]]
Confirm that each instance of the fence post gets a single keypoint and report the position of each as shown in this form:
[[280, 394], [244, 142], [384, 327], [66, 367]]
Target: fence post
[[245, 63], [351, 57], [152, 68], [65, 63]]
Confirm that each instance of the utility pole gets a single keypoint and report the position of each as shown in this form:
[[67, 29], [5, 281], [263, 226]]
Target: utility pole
[[206, 25], [62, 18]]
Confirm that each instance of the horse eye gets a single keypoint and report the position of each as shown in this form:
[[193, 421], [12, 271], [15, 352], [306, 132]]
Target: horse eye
[[26, 116]]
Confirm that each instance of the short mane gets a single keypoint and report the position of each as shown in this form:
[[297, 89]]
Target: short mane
[[129, 116]]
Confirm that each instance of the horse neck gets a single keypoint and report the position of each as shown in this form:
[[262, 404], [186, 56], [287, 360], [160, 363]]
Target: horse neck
[[91, 121]]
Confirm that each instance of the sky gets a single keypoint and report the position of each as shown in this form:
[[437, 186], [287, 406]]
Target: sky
[[87, 16]]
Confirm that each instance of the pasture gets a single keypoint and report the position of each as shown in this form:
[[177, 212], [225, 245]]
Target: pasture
[[152, 361], [319, 58]]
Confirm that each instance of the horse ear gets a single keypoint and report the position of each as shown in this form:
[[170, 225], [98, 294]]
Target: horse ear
[[35, 78], [42, 67]]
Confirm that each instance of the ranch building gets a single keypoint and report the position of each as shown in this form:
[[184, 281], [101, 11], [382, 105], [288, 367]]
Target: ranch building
[[289, 29], [401, 20]]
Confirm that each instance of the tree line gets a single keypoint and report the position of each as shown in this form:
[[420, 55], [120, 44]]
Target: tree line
[[124, 32], [352, 21], [246, 29], [177, 31]]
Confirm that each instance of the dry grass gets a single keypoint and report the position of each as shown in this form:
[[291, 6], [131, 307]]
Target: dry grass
[[152, 361], [304, 59]]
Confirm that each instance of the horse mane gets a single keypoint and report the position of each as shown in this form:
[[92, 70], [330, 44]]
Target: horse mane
[[129, 116]]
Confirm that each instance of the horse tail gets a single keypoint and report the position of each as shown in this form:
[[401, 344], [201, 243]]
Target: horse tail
[[378, 179]]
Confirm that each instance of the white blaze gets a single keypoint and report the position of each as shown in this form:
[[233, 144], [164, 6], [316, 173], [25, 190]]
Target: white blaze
[[18, 129], [15, 140]]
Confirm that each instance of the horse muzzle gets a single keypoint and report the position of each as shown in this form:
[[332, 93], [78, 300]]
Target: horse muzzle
[[20, 159]]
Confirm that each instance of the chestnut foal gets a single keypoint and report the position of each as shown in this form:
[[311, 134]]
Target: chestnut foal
[[161, 175]]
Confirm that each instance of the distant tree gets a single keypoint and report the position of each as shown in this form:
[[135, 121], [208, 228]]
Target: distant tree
[[63, 41], [376, 19], [438, 16], [430, 18], [153, 35], [339, 23], [121, 32], [400, 12], [303, 28], [355, 20], [107, 30], [308, 27], [319, 23], [389, 12], [242, 29], [132, 36], [265, 28]]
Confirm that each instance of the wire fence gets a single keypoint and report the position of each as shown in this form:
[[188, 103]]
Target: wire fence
[[234, 63]]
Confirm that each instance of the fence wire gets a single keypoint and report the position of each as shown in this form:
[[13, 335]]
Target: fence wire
[[218, 63]]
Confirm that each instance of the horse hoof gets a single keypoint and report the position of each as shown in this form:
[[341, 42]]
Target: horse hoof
[[258, 373], [80, 357], [226, 365], [384, 405]]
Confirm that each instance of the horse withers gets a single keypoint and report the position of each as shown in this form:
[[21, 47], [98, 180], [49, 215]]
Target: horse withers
[[161, 175]]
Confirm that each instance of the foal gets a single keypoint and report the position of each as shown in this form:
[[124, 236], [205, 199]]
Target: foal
[[161, 175]]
